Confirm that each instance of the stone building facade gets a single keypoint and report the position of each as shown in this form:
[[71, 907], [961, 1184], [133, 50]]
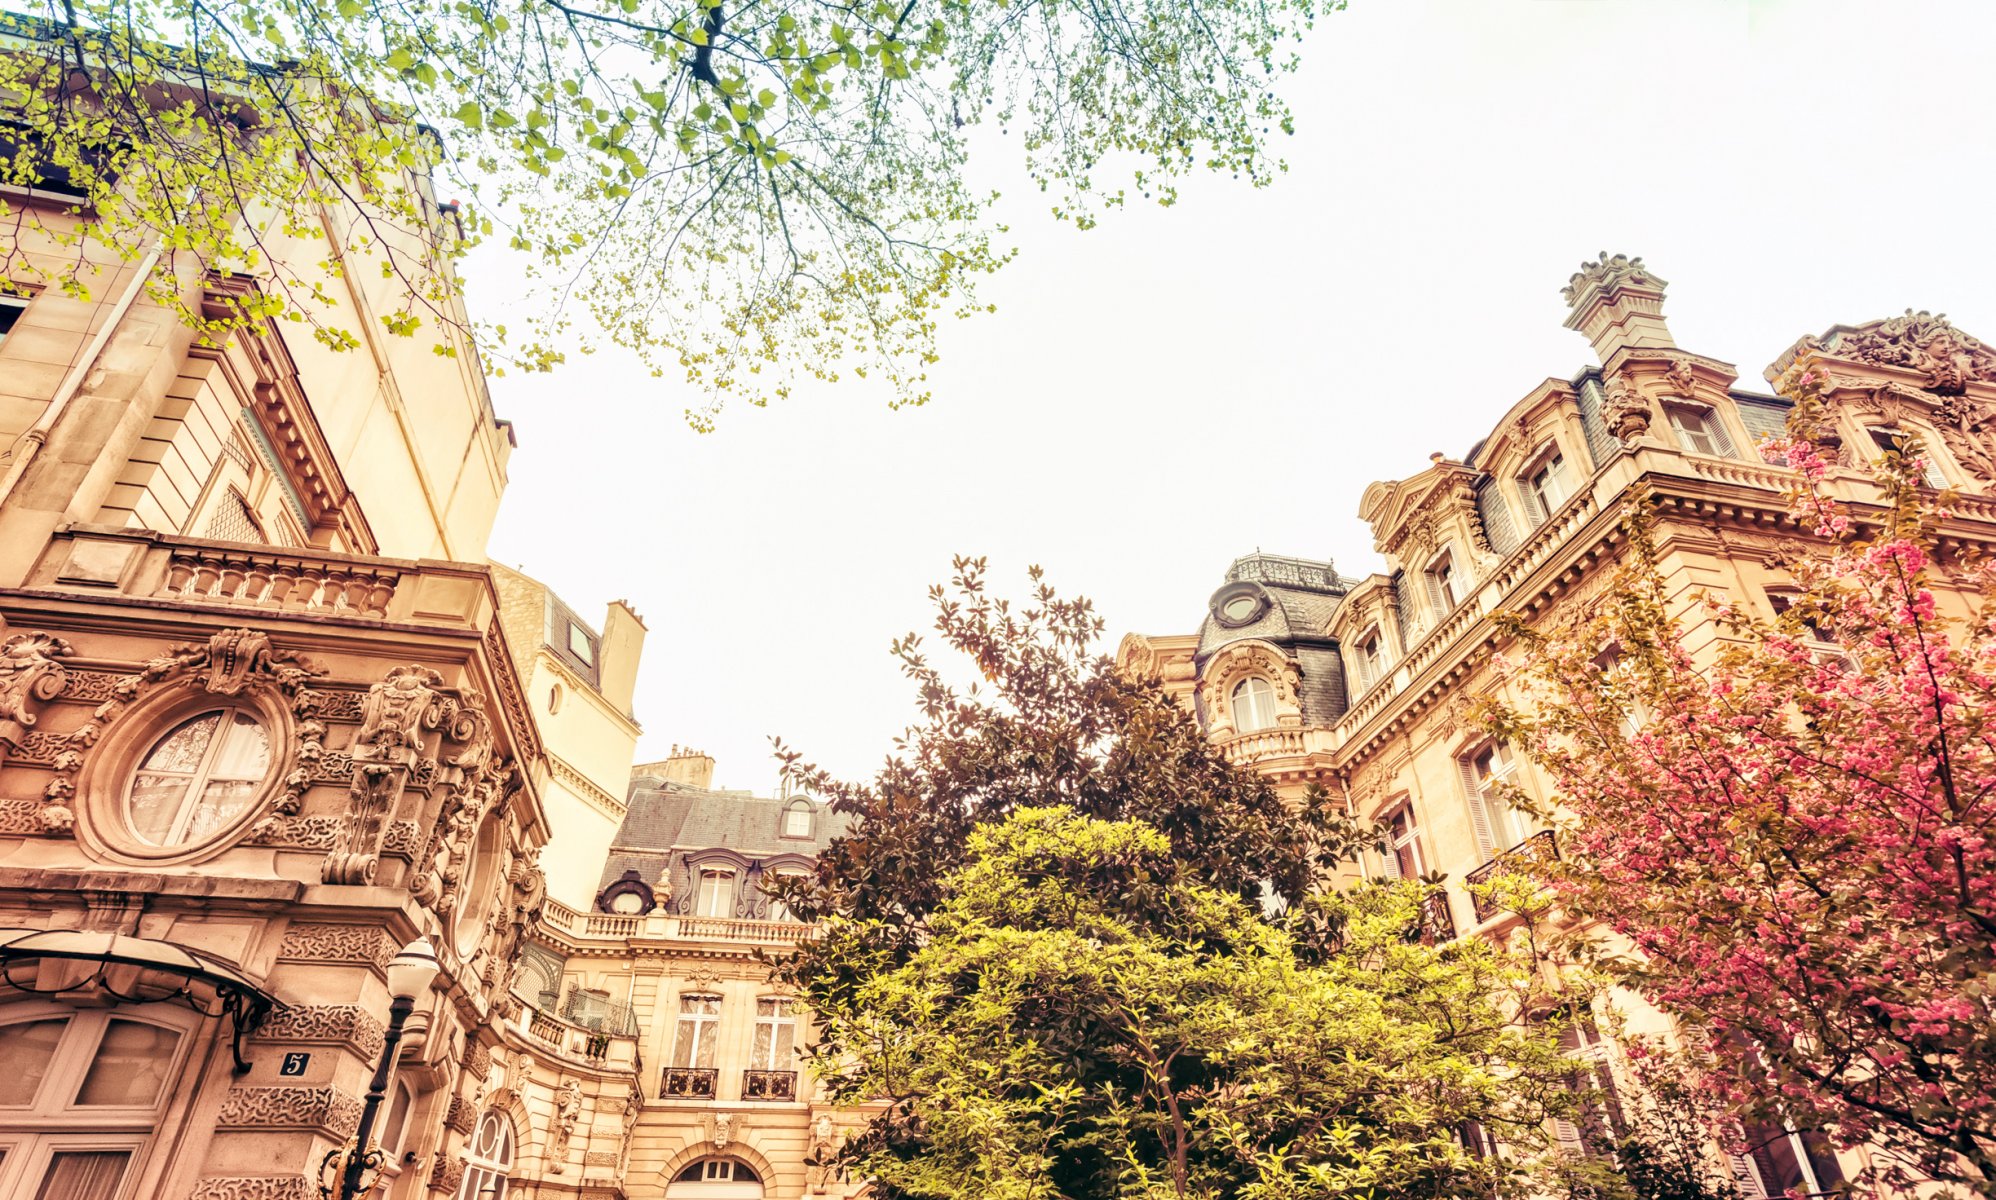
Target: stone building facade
[[1361, 685], [263, 721], [650, 1015]]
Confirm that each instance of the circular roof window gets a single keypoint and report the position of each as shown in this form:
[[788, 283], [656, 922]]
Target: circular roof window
[[1241, 604]]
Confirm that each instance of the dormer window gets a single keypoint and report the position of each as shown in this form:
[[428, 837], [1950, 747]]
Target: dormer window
[[1545, 479], [1254, 705], [797, 819], [1890, 439], [716, 894], [1443, 588], [580, 644], [1699, 430], [1371, 658]]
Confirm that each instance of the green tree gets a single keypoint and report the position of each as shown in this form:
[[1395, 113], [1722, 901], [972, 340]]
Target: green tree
[[1076, 954], [748, 192]]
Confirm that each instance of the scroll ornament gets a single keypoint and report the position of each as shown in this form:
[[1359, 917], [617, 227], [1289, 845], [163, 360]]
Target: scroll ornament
[[384, 751]]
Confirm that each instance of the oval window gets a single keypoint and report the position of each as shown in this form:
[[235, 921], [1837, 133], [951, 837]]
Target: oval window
[[480, 883], [199, 778]]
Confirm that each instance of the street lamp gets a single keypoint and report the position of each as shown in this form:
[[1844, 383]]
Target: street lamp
[[356, 1165]]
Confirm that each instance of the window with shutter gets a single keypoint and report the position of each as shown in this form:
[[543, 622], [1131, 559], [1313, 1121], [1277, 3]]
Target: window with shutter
[[1699, 430], [1890, 439], [1545, 481]]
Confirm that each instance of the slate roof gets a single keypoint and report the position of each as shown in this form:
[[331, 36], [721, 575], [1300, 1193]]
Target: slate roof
[[667, 824], [1302, 597]]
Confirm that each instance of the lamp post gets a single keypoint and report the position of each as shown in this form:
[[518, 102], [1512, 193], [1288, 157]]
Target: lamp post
[[409, 976]]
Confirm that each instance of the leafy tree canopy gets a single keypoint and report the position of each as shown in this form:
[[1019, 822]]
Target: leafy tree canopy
[[748, 192], [1797, 833], [1045, 954]]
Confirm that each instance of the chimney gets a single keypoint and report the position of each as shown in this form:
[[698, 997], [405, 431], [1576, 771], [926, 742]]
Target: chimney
[[1617, 303], [685, 765], [617, 660]]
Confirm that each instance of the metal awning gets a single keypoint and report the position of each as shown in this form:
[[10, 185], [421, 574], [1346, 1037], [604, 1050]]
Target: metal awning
[[133, 970]]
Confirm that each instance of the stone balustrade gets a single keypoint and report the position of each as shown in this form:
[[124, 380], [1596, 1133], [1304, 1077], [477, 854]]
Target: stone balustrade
[[576, 926]]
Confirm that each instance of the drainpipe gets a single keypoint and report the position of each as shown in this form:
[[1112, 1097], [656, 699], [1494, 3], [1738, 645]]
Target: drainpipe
[[30, 443]]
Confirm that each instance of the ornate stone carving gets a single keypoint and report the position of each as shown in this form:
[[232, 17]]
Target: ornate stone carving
[[1626, 413], [460, 1116], [567, 1112], [722, 1128], [297, 833], [312, 941], [30, 677], [1138, 658], [334, 1024], [821, 1162], [1918, 341], [447, 1174], [254, 1187], [1968, 429], [90, 687], [1610, 271], [21, 817], [340, 706], [321, 1109], [356, 848], [477, 1060], [389, 741], [392, 716], [1236, 662], [599, 1158]]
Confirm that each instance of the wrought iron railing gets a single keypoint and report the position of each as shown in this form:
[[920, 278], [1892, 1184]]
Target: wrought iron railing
[[1541, 847], [1437, 918], [688, 1083], [769, 1085]]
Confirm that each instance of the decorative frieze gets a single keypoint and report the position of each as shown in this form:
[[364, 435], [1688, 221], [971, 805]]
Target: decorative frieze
[[320, 1109], [336, 1024], [30, 676], [460, 1116], [447, 1174], [317, 942], [255, 1187]]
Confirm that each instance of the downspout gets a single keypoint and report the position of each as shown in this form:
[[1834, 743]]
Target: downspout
[[29, 444]]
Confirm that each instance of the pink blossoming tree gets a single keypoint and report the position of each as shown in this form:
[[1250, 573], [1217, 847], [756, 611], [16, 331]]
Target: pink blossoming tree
[[1794, 834]]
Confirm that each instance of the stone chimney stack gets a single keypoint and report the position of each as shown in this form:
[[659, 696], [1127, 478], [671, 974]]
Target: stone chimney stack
[[685, 765], [1617, 303], [617, 662]]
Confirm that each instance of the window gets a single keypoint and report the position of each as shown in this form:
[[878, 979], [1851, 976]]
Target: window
[[488, 1159], [1371, 659], [1597, 1121], [1814, 625], [481, 884], [580, 644], [775, 1034], [797, 819], [1443, 591], [199, 778], [1403, 845], [1636, 714], [1254, 705], [628, 904], [1890, 439], [1545, 479], [715, 1179], [1699, 430], [11, 308], [395, 1127], [1498, 825], [716, 897], [699, 1029], [79, 1094], [232, 521], [778, 910]]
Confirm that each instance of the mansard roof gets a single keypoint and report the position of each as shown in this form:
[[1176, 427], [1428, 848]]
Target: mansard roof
[[667, 820]]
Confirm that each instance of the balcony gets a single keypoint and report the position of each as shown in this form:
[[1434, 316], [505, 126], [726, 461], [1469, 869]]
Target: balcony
[[589, 1047], [1246, 748], [1436, 923], [688, 1083], [580, 926], [1541, 847], [270, 580], [769, 1085]]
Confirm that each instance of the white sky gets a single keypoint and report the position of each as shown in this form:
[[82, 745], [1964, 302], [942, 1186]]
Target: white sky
[[1178, 387]]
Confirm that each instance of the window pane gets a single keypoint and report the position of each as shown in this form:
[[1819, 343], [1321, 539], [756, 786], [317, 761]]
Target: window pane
[[25, 1051], [131, 1063], [182, 749], [83, 1175], [397, 1123], [244, 752]]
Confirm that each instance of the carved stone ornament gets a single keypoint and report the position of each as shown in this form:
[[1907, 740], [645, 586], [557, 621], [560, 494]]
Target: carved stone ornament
[[1969, 430], [1236, 662], [1918, 341], [1681, 377], [30, 677], [1138, 657], [254, 1187], [567, 1112], [722, 1128], [321, 1109], [385, 749], [1607, 273], [1627, 413], [233, 662]]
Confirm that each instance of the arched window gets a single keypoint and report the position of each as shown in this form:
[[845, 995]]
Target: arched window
[[487, 1159], [716, 1179], [716, 897], [80, 1092], [1254, 704], [797, 819], [199, 777]]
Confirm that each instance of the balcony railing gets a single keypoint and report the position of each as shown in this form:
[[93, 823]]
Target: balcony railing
[[563, 919], [769, 1085], [688, 1083], [1262, 743], [275, 580], [1541, 847], [593, 1047], [1437, 918]]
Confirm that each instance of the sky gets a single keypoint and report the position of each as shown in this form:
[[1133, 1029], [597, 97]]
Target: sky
[[1178, 387]]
